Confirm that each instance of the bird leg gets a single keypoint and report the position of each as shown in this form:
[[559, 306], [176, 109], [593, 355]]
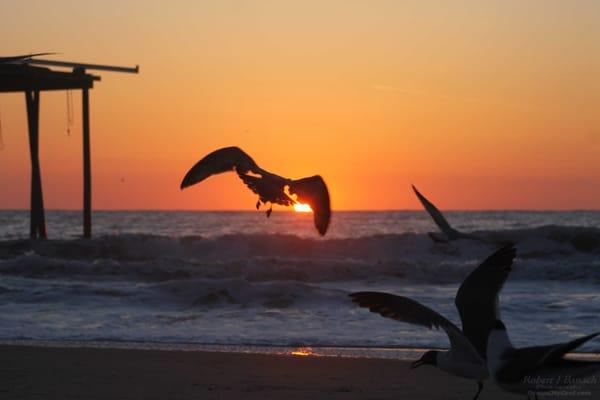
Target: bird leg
[[258, 204], [479, 388], [269, 211]]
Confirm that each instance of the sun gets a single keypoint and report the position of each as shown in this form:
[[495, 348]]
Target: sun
[[300, 207]]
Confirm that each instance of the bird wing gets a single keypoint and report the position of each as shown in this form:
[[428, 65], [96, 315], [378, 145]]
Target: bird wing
[[411, 311], [23, 57], [557, 351], [477, 297], [528, 360], [219, 161], [313, 191], [437, 216]]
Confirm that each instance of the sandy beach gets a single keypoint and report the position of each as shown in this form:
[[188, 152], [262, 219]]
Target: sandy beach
[[29, 372]]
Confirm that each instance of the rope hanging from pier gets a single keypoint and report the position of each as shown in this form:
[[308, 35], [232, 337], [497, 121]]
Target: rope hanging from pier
[[69, 111]]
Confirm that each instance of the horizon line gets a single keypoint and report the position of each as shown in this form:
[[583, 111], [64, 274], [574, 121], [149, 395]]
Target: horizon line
[[338, 210]]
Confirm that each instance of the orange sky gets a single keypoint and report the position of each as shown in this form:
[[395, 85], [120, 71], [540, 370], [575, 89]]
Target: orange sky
[[482, 105]]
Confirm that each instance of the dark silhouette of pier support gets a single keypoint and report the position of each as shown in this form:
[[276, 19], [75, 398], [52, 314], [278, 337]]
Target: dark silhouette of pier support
[[87, 166], [22, 76], [37, 218]]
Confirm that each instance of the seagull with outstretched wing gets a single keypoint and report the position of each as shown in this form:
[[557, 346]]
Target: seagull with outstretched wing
[[477, 304], [21, 58], [538, 369], [269, 187], [448, 231]]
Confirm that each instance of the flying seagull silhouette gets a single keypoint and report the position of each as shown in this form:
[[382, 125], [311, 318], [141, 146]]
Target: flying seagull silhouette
[[535, 369], [449, 232], [23, 57], [477, 304], [269, 187]]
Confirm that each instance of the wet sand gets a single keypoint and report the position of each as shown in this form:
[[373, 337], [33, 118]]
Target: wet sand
[[28, 372]]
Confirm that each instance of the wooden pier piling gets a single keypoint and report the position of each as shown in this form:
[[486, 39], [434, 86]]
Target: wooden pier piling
[[23, 76], [87, 166], [37, 218]]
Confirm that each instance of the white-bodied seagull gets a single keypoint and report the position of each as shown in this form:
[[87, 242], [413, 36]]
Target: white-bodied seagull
[[477, 304], [269, 187]]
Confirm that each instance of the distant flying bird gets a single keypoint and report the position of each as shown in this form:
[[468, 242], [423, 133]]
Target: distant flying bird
[[535, 369], [25, 57], [449, 232], [477, 304], [269, 187]]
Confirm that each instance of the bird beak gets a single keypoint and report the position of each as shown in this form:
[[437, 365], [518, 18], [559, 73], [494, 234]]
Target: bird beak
[[416, 364]]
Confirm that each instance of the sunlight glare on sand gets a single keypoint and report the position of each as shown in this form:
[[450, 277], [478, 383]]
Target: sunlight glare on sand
[[303, 352]]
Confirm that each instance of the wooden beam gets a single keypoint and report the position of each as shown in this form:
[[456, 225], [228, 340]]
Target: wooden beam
[[84, 66], [37, 218], [87, 168], [19, 78]]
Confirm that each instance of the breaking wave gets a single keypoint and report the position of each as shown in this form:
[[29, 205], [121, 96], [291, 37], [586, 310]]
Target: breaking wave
[[276, 289], [545, 253]]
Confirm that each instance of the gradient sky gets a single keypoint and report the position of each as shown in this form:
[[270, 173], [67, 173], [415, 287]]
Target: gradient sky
[[482, 105]]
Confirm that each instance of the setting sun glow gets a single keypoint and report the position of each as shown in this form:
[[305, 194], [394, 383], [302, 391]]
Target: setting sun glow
[[300, 207], [451, 98]]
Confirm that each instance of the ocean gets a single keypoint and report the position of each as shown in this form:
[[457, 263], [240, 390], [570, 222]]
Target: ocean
[[238, 279]]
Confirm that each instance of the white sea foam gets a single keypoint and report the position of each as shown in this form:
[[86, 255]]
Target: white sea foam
[[274, 288], [546, 253]]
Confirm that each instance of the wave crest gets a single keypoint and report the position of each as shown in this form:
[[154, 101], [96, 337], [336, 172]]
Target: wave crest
[[550, 252]]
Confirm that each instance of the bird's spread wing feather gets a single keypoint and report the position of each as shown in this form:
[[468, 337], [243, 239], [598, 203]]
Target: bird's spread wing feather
[[477, 297], [313, 191], [402, 309], [528, 360], [436, 214], [219, 161], [558, 351], [410, 311]]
